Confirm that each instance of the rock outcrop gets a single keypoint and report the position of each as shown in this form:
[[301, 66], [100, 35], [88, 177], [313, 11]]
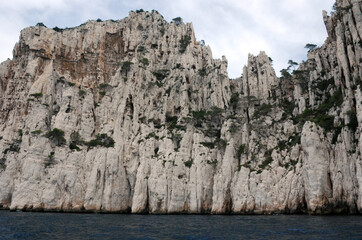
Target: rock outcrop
[[136, 116]]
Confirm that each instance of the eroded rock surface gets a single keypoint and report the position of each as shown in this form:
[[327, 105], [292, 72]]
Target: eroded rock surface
[[152, 123]]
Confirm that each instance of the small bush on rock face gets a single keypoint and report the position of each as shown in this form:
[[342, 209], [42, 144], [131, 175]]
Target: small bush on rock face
[[353, 121], [57, 136], [241, 150], [2, 164], [36, 132], [57, 29], [82, 93], [161, 74], [234, 99], [14, 147], [36, 95], [73, 146], [141, 49], [212, 162], [144, 61], [126, 67], [208, 144], [202, 72], [50, 160], [263, 110], [177, 20], [319, 115], [189, 163], [184, 42], [40, 24], [310, 46], [102, 140]]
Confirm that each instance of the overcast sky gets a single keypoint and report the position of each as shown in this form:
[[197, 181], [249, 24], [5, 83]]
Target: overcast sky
[[232, 28]]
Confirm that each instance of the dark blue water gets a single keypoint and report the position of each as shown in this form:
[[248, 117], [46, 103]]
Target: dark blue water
[[20, 225]]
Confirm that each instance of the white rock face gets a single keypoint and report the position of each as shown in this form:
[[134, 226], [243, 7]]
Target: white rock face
[[152, 123], [259, 77], [316, 176]]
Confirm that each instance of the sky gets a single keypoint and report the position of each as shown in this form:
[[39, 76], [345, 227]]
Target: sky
[[233, 28]]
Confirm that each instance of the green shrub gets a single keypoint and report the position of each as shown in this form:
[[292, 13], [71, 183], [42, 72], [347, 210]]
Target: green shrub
[[234, 100], [323, 85], [104, 85], [319, 115], [141, 49], [58, 29], [336, 133], [40, 24], [281, 145], [14, 147], [81, 93], [73, 146], [233, 128], [152, 135], [171, 122], [294, 140], [2, 164], [266, 162], [285, 74], [184, 42], [221, 143], [102, 140], [126, 67], [288, 107], [156, 151], [189, 163], [71, 84], [50, 160], [241, 150], [140, 27], [325, 121], [358, 79], [162, 31], [176, 139], [57, 136], [262, 110], [199, 114], [159, 84], [36, 132], [161, 74], [310, 46], [36, 95], [177, 20], [208, 144], [353, 121], [215, 111], [212, 162], [75, 140], [144, 61], [202, 72], [268, 159]]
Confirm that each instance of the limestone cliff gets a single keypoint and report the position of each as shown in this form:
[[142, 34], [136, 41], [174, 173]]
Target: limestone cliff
[[136, 116]]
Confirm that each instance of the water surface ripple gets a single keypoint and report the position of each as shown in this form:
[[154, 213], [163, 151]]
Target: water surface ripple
[[31, 225]]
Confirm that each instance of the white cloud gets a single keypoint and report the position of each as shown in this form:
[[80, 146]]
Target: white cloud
[[232, 28]]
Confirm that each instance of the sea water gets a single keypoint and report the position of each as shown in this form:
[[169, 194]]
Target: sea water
[[31, 225]]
